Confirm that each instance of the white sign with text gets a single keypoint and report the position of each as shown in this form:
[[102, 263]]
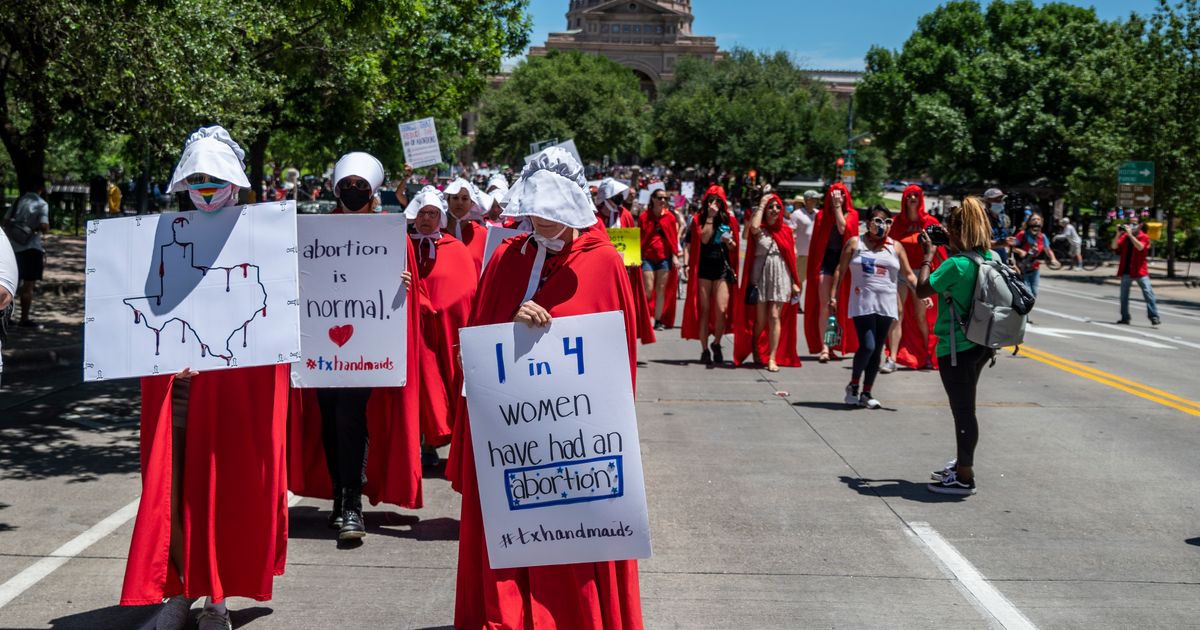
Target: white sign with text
[[353, 303], [556, 442], [420, 141]]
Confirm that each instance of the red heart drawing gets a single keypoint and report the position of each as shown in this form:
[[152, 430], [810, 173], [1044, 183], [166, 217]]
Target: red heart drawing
[[341, 334]]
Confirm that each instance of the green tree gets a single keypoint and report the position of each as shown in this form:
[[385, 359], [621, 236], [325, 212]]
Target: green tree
[[749, 110], [564, 95]]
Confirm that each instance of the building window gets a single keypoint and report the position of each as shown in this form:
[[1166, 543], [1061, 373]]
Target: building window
[[637, 28], [624, 28], [658, 30], [603, 28], [633, 6]]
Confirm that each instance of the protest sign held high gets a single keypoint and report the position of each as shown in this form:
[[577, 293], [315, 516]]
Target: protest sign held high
[[352, 301], [420, 141], [556, 442]]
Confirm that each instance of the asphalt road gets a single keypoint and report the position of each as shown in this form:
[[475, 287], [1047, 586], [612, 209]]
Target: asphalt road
[[771, 505]]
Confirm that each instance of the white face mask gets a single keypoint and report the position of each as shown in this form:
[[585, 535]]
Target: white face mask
[[551, 243], [997, 208]]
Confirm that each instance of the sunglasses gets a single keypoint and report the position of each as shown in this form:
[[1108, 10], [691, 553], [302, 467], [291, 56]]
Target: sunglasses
[[660, 197], [357, 184], [202, 178], [882, 222]]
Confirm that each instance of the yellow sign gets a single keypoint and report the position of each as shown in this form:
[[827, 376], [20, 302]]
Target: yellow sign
[[628, 241]]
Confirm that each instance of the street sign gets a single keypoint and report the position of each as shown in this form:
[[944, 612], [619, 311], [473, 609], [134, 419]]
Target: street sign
[[1134, 196], [1136, 173]]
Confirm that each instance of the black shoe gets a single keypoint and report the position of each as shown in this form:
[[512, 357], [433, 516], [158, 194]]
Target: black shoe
[[29, 323], [706, 357], [951, 484], [718, 356], [430, 458], [352, 526], [1154, 321], [1123, 322], [335, 514], [659, 326]]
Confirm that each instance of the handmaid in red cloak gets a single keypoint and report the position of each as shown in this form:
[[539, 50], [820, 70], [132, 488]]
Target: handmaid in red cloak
[[581, 273], [911, 340], [465, 219], [713, 240], [660, 256], [837, 223], [767, 329], [448, 285], [347, 442], [212, 519], [611, 214]]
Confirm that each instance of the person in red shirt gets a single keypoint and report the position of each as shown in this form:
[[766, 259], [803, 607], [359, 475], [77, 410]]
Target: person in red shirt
[[660, 255], [1032, 244], [1133, 245], [911, 340]]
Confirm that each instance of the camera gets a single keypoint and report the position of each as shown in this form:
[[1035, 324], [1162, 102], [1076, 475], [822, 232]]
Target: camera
[[937, 235]]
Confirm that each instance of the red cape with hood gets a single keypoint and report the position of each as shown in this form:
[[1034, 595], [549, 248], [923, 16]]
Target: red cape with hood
[[474, 236], [448, 285], [915, 352], [234, 488], [393, 424], [670, 227], [691, 312], [587, 277], [827, 225], [743, 332], [645, 316]]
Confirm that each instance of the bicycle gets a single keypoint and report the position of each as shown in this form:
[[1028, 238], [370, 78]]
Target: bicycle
[[1092, 258]]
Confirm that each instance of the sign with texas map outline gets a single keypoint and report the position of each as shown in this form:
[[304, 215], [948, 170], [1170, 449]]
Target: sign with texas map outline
[[205, 290]]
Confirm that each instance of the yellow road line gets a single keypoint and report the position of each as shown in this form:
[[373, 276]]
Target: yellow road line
[[1116, 382]]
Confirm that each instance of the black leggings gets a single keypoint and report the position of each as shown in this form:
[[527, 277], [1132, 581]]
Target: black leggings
[[960, 382], [344, 434], [872, 337]]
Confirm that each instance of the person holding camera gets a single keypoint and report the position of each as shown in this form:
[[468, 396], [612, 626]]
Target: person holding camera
[[1032, 244], [967, 230], [1132, 244]]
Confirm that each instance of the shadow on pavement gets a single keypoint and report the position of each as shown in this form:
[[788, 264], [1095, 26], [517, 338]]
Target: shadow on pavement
[[898, 488], [1193, 541], [827, 405], [108, 617], [32, 452], [310, 523]]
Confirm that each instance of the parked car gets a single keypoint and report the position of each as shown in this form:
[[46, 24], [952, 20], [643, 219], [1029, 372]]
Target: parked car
[[895, 186]]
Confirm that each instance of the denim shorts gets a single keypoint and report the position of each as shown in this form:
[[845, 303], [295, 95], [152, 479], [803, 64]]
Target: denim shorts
[[656, 265]]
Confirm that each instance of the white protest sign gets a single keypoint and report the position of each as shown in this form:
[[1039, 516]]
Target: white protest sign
[[205, 290], [643, 198], [568, 146], [556, 441], [353, 303], [495, 236], [420, 141], [687, 189]]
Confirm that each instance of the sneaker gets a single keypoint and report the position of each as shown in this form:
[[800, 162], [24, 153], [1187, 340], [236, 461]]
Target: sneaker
[[888, 366], [868, 401], [1154, 321], [706, 357], [951, 466], [951, 484], [352, 526], [659, 326], [174, 613], [852, 398], [1123, 322], [718, 357], [212, 620]]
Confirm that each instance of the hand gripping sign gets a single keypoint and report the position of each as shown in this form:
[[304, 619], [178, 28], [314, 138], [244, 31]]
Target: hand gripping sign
[[556, 442]]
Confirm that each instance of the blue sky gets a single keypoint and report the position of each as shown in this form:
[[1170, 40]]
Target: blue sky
[[821, 34]]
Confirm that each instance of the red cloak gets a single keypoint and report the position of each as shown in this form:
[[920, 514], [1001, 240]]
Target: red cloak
[[645, 315], [448, 283], [827, 224], [691, 313], [474, 236], [393, 424], [670, 227], [744, 315], [915, 352], [235, 488], [586, 277]]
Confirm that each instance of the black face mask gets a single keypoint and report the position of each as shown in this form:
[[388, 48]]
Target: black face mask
[[354, 199]]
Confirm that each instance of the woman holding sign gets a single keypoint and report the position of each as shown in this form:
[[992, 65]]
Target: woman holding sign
[[566, 267], [612, 213], [660, 255], [332, 426], [769, 295], [212, 519], [837, 223], [711, 257], [448, 284], [465, 219]]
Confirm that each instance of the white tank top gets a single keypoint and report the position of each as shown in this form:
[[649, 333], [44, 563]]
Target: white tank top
[[873, 277]]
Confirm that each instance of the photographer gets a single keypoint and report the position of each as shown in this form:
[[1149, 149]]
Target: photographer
[[1133, 246], [1032, 244], [967, 230]]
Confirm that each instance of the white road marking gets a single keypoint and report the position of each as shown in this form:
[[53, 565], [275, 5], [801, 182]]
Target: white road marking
[[990, 600], [37, 571], [1124, 329], [1066, 333]]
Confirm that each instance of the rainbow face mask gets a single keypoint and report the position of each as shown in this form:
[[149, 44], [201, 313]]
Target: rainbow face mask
[[210, 196]]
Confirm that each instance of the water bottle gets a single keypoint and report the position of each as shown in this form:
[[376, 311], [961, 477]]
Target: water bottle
[[833, 335]]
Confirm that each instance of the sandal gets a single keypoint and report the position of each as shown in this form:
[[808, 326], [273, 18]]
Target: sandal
[[823, 357], [772, 366]]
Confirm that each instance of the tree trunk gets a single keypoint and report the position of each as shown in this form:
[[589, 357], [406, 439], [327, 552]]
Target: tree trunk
[[30, 166], [1171, 241], [258, 155]]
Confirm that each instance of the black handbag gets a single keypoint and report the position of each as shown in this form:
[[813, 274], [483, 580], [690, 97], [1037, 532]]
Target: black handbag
[[752, 295]]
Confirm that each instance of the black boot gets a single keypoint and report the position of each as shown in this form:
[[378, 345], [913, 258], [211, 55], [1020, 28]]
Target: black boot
[[335, 515], [353, 526]]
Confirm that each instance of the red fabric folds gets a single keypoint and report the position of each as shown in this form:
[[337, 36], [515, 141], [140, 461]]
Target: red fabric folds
[[393, 424], [448, 283], [234, 488], [670, 228], [744, 343], [691, 313], [915, 351], [586, 277], [826, 225], [474, 236], [645, 315]]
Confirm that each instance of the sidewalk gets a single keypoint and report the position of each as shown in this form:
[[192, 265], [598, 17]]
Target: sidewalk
[[1173, 290], [58, 306]]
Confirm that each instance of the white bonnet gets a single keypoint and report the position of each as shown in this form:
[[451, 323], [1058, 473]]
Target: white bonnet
[[552, 187], [211, 151]]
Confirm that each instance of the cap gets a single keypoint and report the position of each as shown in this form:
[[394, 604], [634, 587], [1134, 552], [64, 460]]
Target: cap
[[812, 194], [994, 193]]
